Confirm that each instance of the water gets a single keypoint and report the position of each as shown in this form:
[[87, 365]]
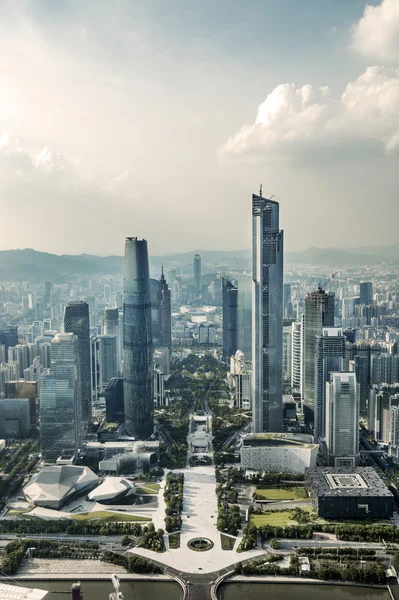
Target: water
[[148, 590], [100, 590], [283, 591]]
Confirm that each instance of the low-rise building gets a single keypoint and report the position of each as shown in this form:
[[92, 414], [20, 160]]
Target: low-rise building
[[55, 486], [278, 452], [349, 493]]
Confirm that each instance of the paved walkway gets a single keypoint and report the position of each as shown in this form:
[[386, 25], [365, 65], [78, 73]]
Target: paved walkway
[[199, 518]]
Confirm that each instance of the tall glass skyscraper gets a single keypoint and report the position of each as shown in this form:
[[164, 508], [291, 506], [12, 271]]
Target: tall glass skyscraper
[[229, 318], [244, 317], [342, 420], [60, 409], [267, 316], [318, 313], [330, 357], [137, 341], [111, 327], [166, 314], [197, 275], [77, 321]]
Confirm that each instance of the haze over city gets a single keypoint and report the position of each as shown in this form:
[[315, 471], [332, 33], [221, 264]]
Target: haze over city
[[199, 299], [159, 118]]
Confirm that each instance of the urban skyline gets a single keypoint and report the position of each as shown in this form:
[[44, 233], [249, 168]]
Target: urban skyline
[[193, 414]]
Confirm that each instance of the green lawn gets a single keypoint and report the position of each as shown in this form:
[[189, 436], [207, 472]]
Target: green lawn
[[281, 519], [174, 541], [227, 542], [295, 493], [108, 516], [147, 488]]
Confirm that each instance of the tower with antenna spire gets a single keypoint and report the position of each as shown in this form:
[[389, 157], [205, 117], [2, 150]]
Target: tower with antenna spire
[[165, 314]]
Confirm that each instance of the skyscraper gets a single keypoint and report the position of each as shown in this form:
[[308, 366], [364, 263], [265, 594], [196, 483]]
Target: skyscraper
[[330, 357], [155, 296], [366, 293], [297, 356], [197, 275], [342, 420], [107, 359], [166, 314], [137, 341], [244, 317], [60, 408], [267, 316], [318, 313], [111, 327], [77, 321], [229, 318]]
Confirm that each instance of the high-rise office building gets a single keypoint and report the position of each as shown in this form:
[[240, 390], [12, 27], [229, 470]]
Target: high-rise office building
[[165, 314], [244, 318], [48, 293], [197, 274], [229, 318], [267, 316], [287, 351], [330, 357], [107, 359], [155, 295], [114, 406], [287, 301], [137, 341], [318, 313], [394, 438], [297, 357], [112, 327], [342, 420], [9, 336], [77, 321], [171, 273], [366, 293], [60, 407]]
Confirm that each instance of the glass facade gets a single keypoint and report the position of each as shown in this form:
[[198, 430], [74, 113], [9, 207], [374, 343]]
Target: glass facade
[[318, 313], [342, 419], [330, 357], [166, 314], [197, 274], [60, 409], [137, 341], [267, 316], [77, 321], [244, 318], [229, 319]]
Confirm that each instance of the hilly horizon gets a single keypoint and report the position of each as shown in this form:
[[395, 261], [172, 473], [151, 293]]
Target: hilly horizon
[[32, 265]]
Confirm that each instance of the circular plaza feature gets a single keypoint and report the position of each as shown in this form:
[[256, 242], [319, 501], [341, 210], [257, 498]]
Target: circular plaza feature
[[200, 544]]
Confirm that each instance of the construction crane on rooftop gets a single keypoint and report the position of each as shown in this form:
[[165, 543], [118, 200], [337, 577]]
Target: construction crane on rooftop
[[321, 286]]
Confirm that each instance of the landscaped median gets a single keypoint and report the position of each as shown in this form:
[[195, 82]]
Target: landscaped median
[[280, 493], [173, 496]]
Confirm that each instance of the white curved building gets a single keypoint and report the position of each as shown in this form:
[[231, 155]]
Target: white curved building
[[112, 488], [55, 486]]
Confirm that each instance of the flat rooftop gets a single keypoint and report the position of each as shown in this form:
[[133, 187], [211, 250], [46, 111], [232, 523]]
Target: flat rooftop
[[357, 481], [13, 592], [278, 439]]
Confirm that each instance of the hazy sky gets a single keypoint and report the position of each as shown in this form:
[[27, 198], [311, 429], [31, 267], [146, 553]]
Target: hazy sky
[[159, 118]]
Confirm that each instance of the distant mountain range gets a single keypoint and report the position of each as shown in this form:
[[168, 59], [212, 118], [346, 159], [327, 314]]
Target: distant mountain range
[[31, 265]]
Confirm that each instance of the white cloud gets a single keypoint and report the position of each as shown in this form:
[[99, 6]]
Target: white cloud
[[377, 33], [292, 121]]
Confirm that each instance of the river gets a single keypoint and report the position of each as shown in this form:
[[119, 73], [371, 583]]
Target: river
[[100, 590], [147, 590], [300, 591]]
